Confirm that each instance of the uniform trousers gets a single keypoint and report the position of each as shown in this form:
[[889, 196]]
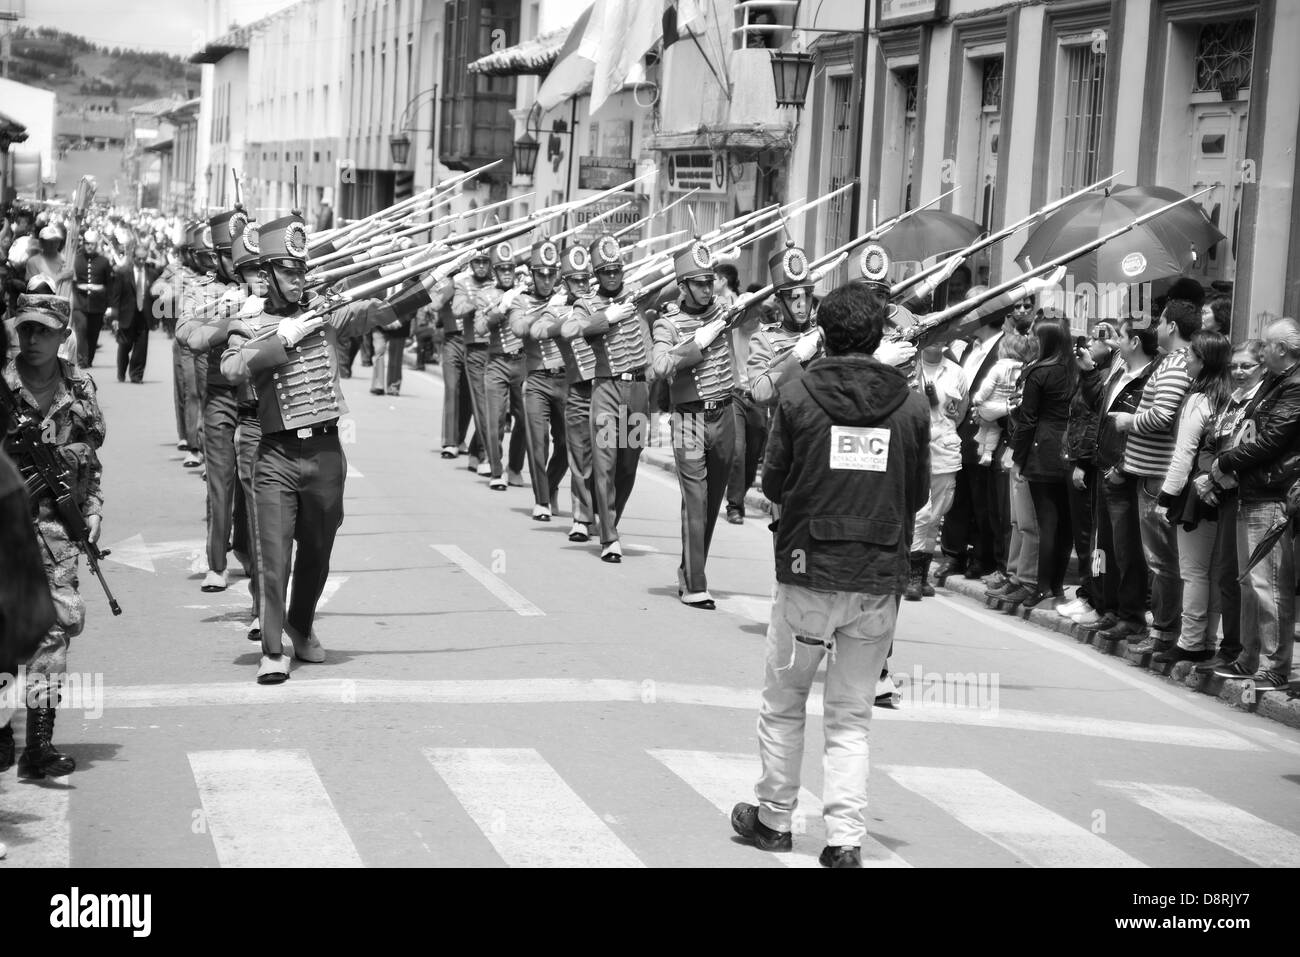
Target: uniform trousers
[[298, 498], [245, 541], [453, 371], [190, 375], [751, 436], [577, 436], [704, 446], [504, 386], [620, 427], [60, 555], [548, 455], [476, 363], [220, 418]]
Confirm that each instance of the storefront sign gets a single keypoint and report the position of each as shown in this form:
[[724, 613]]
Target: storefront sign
[[604, 172], [611, 224], [902, 13], [704, 171]]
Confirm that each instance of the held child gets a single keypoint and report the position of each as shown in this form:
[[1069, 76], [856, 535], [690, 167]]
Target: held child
[[994, 398]]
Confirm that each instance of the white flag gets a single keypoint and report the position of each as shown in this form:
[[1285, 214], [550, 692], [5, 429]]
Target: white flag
[[628, 31]]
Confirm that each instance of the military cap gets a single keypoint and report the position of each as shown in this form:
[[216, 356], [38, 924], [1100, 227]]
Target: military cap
[[284, 240], [225, 226], [788, 268], [502, 255], [53, 312], [694, 262], [245, 247], [606, 252], [576, 261], [545, 255]]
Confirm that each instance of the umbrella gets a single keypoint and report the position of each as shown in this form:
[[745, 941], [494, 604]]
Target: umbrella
[[929, 232], [1160, 247], [1266, 545]]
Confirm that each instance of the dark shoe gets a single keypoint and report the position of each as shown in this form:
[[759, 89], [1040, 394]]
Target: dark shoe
[[1234, 672], [996, 580], [974, 571], [1172, 656], [745, 822], [6, 747], [950, 566], [1147, 646], [1270, 679], [472, 463], [579, 533], [376, 391], [840, 857], [1124, 630], [1213, 665], [1036, 599], [736, 516], [913, 592], [1020, 593], [1108, 621], [41, 759], [1003, 590], [927, 590]]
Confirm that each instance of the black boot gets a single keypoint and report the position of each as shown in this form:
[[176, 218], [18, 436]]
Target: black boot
[[927, 590], [6, 747], [41, 759], [950, 566], [914, 581]]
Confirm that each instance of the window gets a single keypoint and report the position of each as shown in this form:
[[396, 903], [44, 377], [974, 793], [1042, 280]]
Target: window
[[909, 80], [840, 117], [475, 121], [1084, 78], [1224, 55], [768, 25], [991, 88]]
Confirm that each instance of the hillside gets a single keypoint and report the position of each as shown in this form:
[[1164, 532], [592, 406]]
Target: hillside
[[79, 71]]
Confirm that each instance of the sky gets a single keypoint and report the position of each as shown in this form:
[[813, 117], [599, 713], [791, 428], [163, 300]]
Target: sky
[[172, 26]]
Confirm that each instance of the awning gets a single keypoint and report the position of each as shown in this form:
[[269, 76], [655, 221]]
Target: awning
[[533, 57], [164, 147]]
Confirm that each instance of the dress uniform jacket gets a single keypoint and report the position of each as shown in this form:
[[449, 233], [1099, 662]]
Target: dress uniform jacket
[[767, 373], [694, 374]]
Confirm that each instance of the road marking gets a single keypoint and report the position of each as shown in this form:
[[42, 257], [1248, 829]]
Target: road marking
[[725, 779], [1035, 835], [270, 809], [135, 552], [352, 472], [508, 596], [616, 690], [747, 606], [1232, 828], [34, 824], [1124, 674], [522, 805]]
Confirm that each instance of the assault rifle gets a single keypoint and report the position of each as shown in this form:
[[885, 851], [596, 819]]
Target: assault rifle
[[43, 472]]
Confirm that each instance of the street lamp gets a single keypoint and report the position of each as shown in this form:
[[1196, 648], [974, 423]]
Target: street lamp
[[790, 74], [399, 147], [526, 149]]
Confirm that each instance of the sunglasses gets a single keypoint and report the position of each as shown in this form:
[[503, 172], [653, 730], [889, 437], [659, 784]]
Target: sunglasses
[[1244, 366]]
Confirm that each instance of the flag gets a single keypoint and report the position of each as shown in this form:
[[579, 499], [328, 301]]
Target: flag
[[628, 31], [681, 18], [572, 73]]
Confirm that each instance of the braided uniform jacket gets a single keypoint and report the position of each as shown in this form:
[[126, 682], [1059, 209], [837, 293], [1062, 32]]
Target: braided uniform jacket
[[468, 294], [502, 340], [767, 373], [579, 357], [297, 386], [693, 374], [622, 347], [526, 311]]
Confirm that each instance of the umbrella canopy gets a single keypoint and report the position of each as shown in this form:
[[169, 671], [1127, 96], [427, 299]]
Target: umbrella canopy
[[928, 233], [1164, 246]]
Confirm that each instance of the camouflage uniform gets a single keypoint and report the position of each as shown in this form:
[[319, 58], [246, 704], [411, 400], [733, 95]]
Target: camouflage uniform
[[75, 424]]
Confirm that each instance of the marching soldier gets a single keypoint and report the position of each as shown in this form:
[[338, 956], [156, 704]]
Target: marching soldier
[[693, 353], [475, 290], [202, 326], [63, 398], [504, 378], [620, 397], [544, 388], [778, 353], [292, 357], [580, 366]]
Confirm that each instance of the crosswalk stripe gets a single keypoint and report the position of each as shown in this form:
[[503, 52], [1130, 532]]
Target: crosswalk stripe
[[1227, 825], [1039, 837], [511, 598], [34, 824], [269, 808], [725, 779], [526, 810]]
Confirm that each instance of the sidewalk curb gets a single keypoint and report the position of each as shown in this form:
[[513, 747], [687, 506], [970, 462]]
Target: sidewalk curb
[[1282, 705]]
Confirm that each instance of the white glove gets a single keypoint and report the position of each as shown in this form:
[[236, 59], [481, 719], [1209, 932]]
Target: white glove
[[620, 311], [508, 299], [705, 335], [806, 346], [895, 352], [293, 329], [1039, 283]]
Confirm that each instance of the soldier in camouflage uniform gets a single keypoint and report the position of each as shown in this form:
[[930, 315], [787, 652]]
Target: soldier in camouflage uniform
[[63, 398]]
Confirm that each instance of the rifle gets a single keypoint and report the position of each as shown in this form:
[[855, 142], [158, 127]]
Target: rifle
[[45, 473]]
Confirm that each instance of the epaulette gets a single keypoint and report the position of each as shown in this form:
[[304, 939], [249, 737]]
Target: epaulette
[[669, 309]]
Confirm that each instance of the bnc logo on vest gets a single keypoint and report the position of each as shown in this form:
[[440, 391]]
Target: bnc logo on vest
[[76, 910]]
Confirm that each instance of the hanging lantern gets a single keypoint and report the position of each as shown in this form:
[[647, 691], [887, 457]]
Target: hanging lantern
[[790, 74], [526, 148]]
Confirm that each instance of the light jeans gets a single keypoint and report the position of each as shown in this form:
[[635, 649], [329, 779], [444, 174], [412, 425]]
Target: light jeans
[[1022, 554], [1196, 558], [859, 630], [930, 517], [1268, 593], [1160, 546]]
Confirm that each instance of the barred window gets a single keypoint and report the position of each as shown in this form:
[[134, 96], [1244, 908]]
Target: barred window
[[909, 79], [1085, 83], [1224, 55], [991, 88]]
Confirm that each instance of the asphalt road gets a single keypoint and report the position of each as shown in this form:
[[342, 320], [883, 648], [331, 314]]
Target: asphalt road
[[495, 695]]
